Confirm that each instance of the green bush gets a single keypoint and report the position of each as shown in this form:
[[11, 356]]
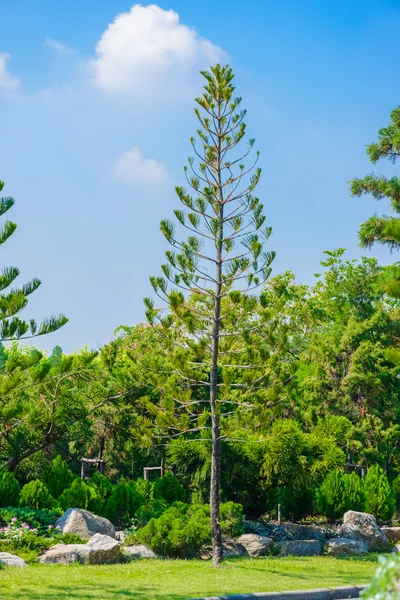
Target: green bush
[[79, 495], [36, 495], [396, 491], [151, 509], [145, 488], [231, 519], [179, 532], [183, 529], [101, 491], [9, 488], [354, 492], [169, 489], [58, 476], [379, 497], [38, 519], [331, 496], [123, 503]]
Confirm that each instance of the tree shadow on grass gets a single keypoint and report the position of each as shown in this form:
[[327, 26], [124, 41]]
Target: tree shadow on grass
[[88, 592]]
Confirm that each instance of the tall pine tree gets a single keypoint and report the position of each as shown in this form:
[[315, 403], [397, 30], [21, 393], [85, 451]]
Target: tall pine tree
[[13, 301], [210, 308], [383, 229]]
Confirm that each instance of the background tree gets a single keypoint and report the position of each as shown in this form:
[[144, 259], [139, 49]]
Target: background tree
[[384, 229], [15, 300], [216, 270]]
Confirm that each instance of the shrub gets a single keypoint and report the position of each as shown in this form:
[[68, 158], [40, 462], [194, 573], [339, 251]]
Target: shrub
[[149, 510], [169, 489], [183, 529], [123, 503], [101, 489], [79, 495], [36, 519], [145, 488], [331, 496], [354, 493], [36, 495], [379, 497], [58, 476], [9, 488], [396, 491], [179, 532], [231, 519]]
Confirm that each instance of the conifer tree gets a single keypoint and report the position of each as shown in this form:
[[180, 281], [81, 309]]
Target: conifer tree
[[13, 301], [384, 229], [210, 310]]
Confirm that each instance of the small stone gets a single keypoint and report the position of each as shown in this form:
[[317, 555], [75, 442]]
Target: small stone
[[11, 560], [139, 551]]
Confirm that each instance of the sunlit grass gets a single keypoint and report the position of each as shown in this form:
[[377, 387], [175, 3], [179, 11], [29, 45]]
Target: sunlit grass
[[179, 580]]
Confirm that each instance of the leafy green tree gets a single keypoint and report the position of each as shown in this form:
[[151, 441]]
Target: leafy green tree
[[215, 271], [14, 301], [379, 497]]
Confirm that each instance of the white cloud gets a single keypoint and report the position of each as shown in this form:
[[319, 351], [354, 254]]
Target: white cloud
[[7, 81], [147, 50], [133, 167], [59, 47]]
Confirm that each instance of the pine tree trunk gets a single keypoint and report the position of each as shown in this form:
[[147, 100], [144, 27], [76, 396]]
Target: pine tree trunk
[[216, 533]]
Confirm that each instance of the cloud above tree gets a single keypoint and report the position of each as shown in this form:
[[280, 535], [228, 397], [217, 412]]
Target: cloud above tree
[[133, 167], [148, 51]]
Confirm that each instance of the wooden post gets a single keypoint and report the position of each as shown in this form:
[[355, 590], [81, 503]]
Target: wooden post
[[279, 514]]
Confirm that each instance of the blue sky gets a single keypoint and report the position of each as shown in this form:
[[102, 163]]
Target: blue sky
[[95, 121]]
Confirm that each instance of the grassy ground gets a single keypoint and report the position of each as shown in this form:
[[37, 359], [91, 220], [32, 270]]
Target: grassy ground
[[179, 580]]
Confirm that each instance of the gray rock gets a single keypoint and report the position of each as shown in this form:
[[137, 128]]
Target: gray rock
[[232, 549], [363, 527], [392, 533], [85, 524], [120, 536], [66, 554], [299, 548], [103, 549], [256, 527], [305, 532], [256, 545], [346, 547], [139, 551], [11, 560], [100, 549]]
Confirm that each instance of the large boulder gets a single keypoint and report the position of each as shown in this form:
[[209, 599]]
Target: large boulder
[[11, 560], [299, 548], [66, 554], [392, 533], [85, 524], [232, 549], [139, 551], [346, 547], [103, 549], [363, 527], [100, 549], [256, 545]]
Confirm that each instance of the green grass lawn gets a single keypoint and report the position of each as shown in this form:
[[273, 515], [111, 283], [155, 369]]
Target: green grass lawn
[[179, 580]]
